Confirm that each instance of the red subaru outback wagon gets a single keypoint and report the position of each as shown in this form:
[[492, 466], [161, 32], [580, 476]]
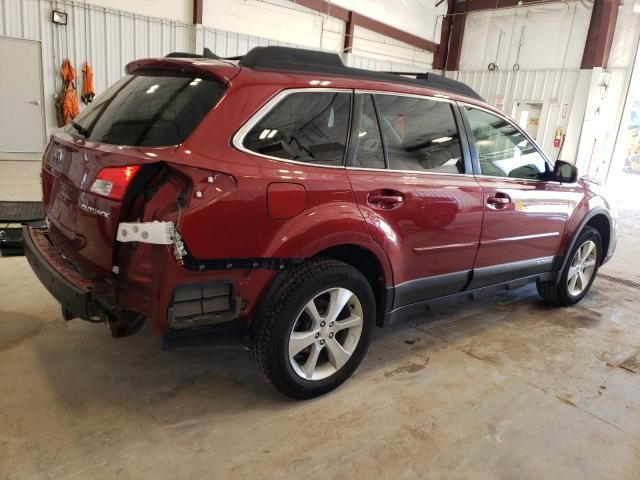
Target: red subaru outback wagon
[[302, 202]]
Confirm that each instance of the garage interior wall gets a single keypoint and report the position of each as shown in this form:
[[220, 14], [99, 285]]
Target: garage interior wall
[[111, 33], [546, 44], [291, 23]]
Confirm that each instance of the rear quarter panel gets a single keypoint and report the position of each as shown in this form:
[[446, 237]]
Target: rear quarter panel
[[238, 225]]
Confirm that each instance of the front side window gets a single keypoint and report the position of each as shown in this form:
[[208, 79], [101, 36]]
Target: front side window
[[420, 134], [503, 151], [306, 126]]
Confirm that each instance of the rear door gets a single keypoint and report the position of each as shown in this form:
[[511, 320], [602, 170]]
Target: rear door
[[525, 213], [413, 184]]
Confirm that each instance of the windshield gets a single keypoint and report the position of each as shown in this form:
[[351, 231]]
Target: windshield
[[151, 110]]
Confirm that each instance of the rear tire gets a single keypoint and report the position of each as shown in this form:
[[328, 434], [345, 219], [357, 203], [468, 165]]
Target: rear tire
[[315, 329], [579, 272]]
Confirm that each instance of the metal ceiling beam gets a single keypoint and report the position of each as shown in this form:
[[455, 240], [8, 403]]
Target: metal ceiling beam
[[467, 6], [600, 34], [440, 57], [355, 19], [197, 12], [452, 32]]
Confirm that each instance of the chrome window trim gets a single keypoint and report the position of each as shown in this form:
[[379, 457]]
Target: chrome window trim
[[435, 97], [238, 139], [389, 170], [522, 132]]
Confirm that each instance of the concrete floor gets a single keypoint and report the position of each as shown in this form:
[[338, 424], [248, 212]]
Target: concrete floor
[[502, 388]]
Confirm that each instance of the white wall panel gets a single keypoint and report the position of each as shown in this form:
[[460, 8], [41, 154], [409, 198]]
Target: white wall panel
[[180, 10], [108, 39], [625, 38], [539, 37], [284, 22], [232, 44], [555, 89], [587, 104], [280, 20], [379, 64], [603, 111], [414, 16], [373, 45]]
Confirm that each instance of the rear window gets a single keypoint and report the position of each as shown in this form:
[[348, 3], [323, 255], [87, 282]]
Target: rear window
[[150, 111]]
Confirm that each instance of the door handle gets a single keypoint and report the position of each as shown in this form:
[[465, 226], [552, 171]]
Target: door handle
[[385, 200], [498, 201], [34, 102]]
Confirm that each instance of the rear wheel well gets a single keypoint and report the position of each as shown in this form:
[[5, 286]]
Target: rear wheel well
[[367, 263], [601, 223]]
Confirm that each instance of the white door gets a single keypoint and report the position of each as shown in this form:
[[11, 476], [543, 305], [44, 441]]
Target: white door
[[528, 116], [22, 124]]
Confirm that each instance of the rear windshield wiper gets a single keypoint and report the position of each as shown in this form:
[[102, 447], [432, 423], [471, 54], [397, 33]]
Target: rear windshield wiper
[[83, 131]]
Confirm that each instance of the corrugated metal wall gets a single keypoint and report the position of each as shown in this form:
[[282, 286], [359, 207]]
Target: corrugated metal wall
[[107, 39], [555, 89], [231, 44], [358, 61]]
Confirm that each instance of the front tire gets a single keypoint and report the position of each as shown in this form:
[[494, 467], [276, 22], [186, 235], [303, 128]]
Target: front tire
[[579, 272], [315, 328]]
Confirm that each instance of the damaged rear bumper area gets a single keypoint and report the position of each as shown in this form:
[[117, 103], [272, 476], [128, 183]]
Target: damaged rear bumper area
[[59, 278], [79, 297], [207, 310]]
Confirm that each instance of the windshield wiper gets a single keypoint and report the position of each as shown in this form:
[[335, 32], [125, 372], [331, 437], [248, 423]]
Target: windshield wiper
[[83, 131]]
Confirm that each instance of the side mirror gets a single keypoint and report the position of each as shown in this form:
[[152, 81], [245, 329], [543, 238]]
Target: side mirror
[[565, 172]]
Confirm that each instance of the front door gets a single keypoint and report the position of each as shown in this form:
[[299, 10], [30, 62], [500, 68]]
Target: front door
[[525, 212], [21, 130], [416, 193]]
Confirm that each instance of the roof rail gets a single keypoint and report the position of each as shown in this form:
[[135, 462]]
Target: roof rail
[[312, 61]]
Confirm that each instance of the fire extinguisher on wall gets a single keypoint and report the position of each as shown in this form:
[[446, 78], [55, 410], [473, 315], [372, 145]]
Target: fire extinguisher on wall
[[557, 140]]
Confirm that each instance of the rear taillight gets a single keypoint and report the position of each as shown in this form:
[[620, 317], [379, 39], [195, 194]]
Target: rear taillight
[[112, 182]]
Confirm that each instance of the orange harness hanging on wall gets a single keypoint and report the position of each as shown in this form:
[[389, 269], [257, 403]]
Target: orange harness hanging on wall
[[70, 106], [88, 92]]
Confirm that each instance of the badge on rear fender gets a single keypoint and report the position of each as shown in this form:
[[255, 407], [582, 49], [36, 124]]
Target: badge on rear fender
[[94, 211]]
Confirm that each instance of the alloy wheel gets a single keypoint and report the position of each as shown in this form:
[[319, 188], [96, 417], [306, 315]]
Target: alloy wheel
[[325, 334], [583, 266]]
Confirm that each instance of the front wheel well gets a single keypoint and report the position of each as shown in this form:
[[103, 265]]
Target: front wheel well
[[367, 263], [601, 223]]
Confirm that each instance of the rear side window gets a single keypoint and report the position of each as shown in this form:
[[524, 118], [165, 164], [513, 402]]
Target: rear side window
[[307, 127], [150, 111], [420, 134]]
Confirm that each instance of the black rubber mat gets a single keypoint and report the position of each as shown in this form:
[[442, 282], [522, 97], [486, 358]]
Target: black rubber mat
[[11, 238], [11, 242], [20, 212]]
